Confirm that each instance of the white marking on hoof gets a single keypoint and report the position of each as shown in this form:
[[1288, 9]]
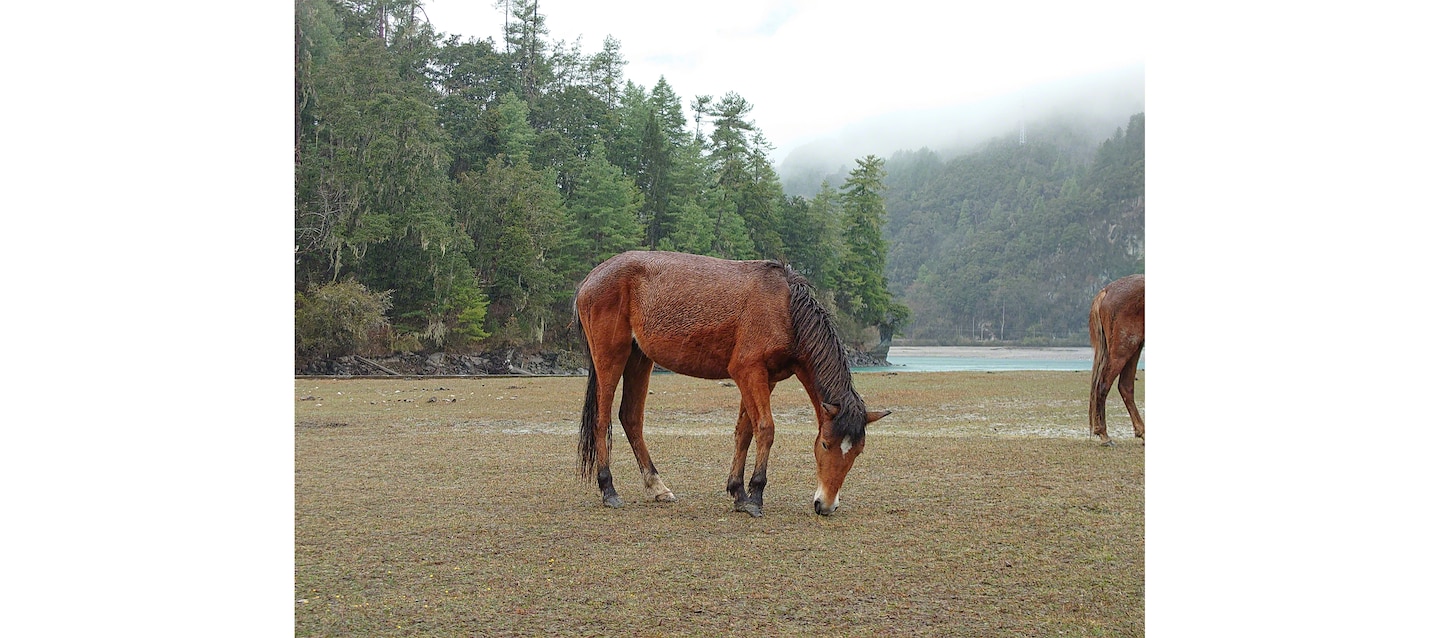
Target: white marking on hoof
[[655, 490]]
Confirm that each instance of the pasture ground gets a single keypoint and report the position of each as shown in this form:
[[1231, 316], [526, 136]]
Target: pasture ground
[[440, 507]]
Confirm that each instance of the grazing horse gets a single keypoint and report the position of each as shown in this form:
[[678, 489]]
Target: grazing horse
[[1117, 333], [752, 321]]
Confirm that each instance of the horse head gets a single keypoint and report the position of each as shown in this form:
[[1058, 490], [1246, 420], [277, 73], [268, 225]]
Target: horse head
[[840, 441]]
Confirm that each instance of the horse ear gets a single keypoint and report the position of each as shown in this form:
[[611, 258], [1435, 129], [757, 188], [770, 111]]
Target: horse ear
[[831, 409], [871, 417]]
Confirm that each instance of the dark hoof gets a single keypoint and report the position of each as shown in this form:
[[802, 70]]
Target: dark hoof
[[748, 507], [613, 501]]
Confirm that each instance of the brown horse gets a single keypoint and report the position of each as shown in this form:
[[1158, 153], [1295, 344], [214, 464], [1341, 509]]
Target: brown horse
[[1117, 333], [752, 321]]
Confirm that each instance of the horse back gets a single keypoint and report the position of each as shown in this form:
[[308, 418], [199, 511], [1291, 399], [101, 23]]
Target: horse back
[[694, 315]]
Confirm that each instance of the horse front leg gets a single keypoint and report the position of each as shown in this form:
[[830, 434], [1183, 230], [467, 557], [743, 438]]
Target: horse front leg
[[735, 484], [755, 395], [764, 437]]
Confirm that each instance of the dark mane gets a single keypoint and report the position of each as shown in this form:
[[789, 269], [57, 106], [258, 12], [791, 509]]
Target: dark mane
[[817, 344]]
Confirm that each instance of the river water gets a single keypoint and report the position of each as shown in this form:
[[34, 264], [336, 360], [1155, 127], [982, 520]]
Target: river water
[[985, 359]]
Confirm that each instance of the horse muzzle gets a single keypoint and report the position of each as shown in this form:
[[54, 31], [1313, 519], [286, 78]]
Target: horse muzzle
[[824, 509]]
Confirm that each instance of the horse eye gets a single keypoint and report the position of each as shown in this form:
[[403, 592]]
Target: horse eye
[[824, 445]]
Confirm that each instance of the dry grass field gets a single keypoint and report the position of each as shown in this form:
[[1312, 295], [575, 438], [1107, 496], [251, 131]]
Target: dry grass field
[[449, 507]]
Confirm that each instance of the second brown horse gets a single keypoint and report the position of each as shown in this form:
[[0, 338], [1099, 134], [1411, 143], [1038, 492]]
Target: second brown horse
[[752, 321], [1117, 333]]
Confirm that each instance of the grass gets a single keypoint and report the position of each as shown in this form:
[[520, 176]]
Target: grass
[[451, 507]]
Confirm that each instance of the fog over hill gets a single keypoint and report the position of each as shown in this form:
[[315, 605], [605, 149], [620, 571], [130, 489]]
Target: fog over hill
[[1095, 103]]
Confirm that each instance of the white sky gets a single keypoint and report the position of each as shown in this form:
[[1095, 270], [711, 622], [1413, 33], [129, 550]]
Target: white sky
[[812, 67]]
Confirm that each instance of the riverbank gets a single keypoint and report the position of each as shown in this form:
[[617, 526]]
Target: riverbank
[[508, 362]]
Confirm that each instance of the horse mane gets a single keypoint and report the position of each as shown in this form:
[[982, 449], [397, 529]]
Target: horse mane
[[817, 344]]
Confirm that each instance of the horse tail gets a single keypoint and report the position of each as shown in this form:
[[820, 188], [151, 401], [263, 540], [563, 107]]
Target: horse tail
[[589, 414], [1098, 371]]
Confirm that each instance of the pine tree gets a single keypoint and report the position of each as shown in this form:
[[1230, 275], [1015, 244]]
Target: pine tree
[[810, 232], [861, 292], [515, 137], [604, 209], [517, 221], [526, 47]]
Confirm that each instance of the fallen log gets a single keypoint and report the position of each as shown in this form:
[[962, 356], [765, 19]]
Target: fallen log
[[382, 368]]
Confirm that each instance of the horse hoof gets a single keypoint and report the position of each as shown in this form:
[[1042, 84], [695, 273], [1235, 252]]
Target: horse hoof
[[667, 497], [1107, 444], [753, 510], [613, 502]]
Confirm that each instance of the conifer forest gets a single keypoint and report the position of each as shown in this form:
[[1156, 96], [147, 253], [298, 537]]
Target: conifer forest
[[451, 193]]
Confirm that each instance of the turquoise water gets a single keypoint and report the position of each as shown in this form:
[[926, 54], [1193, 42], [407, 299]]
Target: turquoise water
[[987, 359], [947, 364]]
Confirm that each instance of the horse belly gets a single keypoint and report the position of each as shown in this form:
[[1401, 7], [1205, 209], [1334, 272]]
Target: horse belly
[[689, 359]]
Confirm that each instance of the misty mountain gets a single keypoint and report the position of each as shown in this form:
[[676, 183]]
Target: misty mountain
[[1092, 106], [1011, 241]]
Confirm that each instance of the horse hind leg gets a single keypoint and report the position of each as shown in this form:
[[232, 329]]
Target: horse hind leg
[[1099, 372], [608, 369], [632, 418], [1100, 380], [1127, 393], [1115, 368]]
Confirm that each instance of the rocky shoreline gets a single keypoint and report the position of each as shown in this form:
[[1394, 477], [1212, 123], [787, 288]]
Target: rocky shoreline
[[510, 362]]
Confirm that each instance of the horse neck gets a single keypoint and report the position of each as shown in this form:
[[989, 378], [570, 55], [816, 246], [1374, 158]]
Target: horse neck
[[817, 346], [831, 375]]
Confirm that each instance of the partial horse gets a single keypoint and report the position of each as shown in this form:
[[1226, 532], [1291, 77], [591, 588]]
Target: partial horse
[[1117, 333], [752, 321]]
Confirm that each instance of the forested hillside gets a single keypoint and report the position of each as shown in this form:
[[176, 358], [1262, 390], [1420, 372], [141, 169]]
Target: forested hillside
[[1013, 240], [451, 193]]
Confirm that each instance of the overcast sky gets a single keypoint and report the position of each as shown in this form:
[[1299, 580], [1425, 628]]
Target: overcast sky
[[811, 67]]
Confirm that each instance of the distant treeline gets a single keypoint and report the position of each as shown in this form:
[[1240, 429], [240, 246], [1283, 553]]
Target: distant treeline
[[451, 194], [1013, 240]]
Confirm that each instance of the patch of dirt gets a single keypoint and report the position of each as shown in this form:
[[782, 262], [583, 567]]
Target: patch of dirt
[[317, 424]]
